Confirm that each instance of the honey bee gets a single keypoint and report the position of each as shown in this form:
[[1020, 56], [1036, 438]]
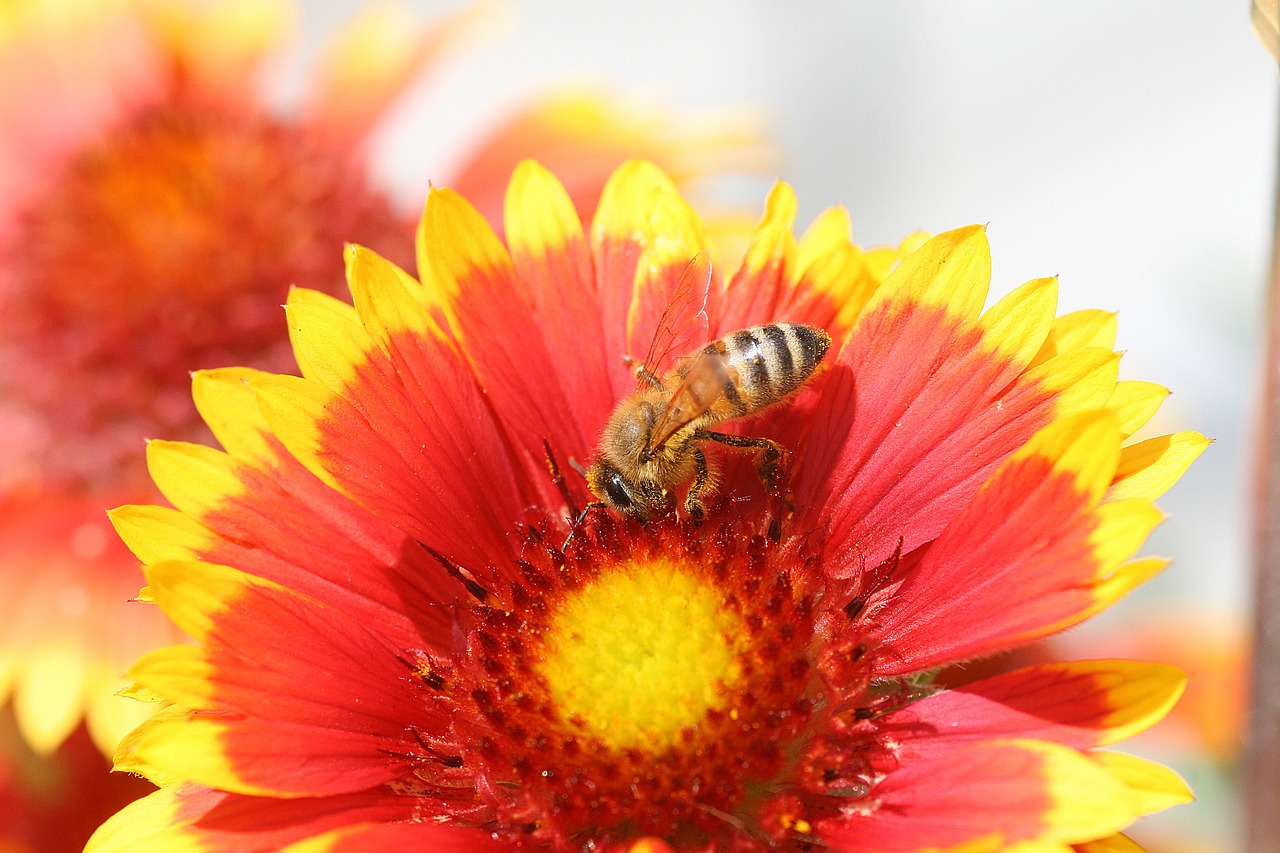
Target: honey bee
[[649, 446]]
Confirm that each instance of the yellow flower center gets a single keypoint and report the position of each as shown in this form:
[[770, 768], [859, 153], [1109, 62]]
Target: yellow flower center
[[641, 654]]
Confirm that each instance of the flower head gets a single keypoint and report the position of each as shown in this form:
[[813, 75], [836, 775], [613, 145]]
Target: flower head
[[154, 209], [409, 630]]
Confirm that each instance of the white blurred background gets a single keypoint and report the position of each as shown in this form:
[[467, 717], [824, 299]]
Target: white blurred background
[[1127, 147]]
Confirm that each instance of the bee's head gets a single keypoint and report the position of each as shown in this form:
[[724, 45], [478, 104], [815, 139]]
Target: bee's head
[[641, 498]]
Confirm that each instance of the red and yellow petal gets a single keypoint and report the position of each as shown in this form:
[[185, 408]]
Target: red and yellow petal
[[1026, 791], [759, 288], [835, 277], [552, 261], [927, 397], [470, 271], [439, 472], [1082, 704], [262, 511], [1032, 553], [256, 709], [642, 237], [391, 836], [192, 819], [70, 625]]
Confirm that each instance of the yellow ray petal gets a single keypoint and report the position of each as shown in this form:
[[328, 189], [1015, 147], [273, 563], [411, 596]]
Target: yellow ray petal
[[192, 592], [539, 216], [1077, 330], [830, 230], [196, 479], [307, 296], [293, 406], [175, 744], [1083, 379], [230, 408], [1087, 802], [1149, 468], [1140, 694], [462, 246], [157, 533], [153, 824], [329, 347], [951, 271], [1135, 402], [641, 205], [388, 301], [1017, 325], [110, 716], [774, 238], [1153, 786], [1086, 445], [844, 276], [1126, 578], [1122, 528], [181, 674]]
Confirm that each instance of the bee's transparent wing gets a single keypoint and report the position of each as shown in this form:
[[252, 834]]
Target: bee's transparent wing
[[683, 324], [705, 382]]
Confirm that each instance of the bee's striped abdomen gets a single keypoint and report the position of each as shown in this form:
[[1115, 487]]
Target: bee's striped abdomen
[[772, 361]]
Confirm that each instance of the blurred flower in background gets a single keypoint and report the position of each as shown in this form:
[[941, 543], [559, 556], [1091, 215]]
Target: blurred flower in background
[[155, 206]]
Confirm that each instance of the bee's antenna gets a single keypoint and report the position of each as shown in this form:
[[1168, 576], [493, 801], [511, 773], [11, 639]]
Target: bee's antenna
[[558, 478]]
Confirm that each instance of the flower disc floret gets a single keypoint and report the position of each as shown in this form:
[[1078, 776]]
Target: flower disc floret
[[636, 681], [640, 654]]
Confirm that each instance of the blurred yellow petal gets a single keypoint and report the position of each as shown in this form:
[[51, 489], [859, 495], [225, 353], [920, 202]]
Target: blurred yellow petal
[[373, 58]]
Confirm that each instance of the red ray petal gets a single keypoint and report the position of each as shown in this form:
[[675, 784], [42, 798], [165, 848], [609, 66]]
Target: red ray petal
[[642, 238], [490, 313], [192, 817], [553, 265], [1014, 564], [1013, 791], [287, 526], [915, 415], [427, 459], [763, 283], [353, 675], [1085, 704]]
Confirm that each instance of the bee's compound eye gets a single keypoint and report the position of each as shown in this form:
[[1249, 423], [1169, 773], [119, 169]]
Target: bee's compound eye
[[616, 488]]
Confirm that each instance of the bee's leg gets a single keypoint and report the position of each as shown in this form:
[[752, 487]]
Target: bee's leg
[[768, 466], [701, 484]]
